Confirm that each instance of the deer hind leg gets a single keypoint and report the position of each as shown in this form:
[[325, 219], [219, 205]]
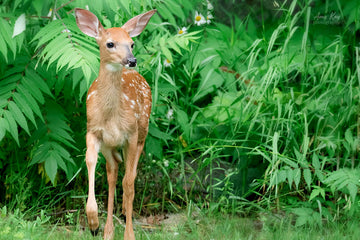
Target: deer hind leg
[[93, 145], [112, 175], [132, 153]]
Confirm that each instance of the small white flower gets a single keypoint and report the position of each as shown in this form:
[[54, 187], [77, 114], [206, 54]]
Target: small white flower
[[170, 114], [167, 63], [87, 7], [209, 17], [182, 31], [166, 163], [50, 13], [199, 19], [65, 31], [209, 5]]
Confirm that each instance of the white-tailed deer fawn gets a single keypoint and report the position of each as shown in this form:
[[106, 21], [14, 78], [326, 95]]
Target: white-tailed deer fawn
[[118, 110]]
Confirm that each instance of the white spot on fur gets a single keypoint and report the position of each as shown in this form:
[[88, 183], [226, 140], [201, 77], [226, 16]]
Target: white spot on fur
[[126, 97]]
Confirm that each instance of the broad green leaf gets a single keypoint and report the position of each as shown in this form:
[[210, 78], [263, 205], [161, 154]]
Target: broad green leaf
[[315, 162], [154, 146], [51, 166], [314, 193], [281, 176], [182, 119], [155, 132], [307, 176]]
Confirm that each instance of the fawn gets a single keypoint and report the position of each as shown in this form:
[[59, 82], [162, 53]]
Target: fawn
[[118, 110]]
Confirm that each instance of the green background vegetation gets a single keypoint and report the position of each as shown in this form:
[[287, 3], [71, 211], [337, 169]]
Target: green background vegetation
[[257, 113]]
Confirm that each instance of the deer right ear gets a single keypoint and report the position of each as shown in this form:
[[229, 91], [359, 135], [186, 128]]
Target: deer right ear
[[88, 23]]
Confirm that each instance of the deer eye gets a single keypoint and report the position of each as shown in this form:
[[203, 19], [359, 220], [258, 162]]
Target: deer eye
[[110, 45], [132, 45]]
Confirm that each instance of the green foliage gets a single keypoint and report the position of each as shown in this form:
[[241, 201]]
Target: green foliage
[[258, 105]]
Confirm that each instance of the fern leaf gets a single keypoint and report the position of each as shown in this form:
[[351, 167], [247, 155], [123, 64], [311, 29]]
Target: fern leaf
[[24, 106], [12, 126], [3, 47], [4, 126], [67, 50], [18, 116], [51, 165], [344, 179], [47, 33], [307, 176], [38, 81], [23, 90], [5, 34]]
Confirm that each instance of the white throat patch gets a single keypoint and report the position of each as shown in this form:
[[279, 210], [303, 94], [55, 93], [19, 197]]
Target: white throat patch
[[113, 67]]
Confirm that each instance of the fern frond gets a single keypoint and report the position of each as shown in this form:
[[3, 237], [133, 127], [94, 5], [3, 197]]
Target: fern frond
[[21, 93], [63, 44], [345, 179], [51, 137], [175, 42], [53, 155]]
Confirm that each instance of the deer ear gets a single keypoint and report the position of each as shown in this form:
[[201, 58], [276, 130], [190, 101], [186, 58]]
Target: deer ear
[[88, 23], [137, 24]]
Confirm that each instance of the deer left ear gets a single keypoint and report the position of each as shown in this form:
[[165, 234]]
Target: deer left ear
[[137, 24]]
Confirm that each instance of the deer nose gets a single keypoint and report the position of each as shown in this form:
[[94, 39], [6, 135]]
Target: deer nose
[[131, 62]]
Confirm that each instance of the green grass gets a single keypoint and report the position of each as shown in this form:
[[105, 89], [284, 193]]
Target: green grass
[[180, 226]]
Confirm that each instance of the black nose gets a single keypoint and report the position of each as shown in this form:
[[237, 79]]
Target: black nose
[[132, 62]]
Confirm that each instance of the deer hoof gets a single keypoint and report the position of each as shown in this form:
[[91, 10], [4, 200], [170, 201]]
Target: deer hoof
[[94, 232]]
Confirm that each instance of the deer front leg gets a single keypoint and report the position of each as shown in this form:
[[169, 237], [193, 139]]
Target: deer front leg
[[132, 153], [92, 144], [112, 174]]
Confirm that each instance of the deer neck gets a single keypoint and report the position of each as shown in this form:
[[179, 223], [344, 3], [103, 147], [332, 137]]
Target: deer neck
[[110, 85]]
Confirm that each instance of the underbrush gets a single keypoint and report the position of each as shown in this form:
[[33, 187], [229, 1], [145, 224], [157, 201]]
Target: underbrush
[[255, 109]]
